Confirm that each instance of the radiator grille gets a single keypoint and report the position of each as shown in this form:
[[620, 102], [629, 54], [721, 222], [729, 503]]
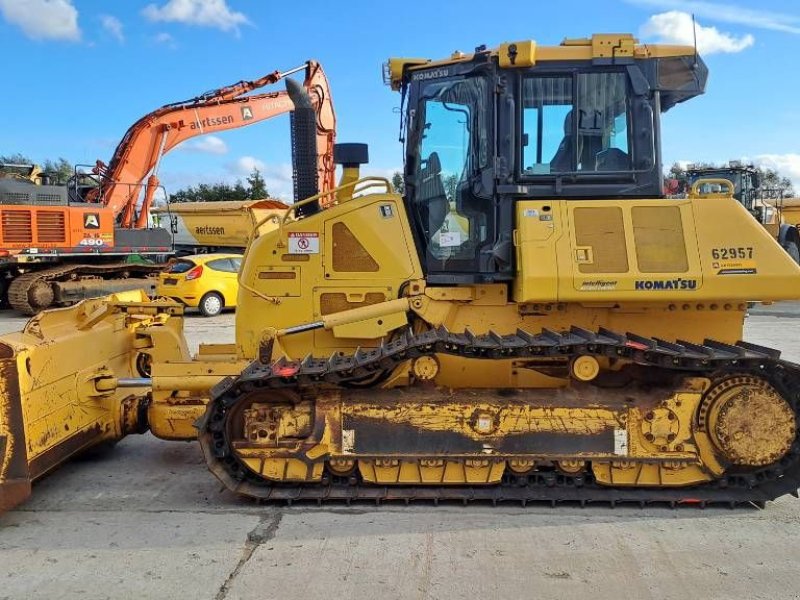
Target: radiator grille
[[49, 198], [333, 302], [14, 198], [50, 227], [349, 255], [17, 226], [660, 243], [602, 229]]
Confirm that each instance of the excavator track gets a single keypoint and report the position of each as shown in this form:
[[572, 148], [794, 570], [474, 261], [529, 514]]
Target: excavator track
[[33, 292], [711, 359]]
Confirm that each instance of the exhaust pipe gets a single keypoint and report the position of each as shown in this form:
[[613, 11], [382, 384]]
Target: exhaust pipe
[[304, 147]]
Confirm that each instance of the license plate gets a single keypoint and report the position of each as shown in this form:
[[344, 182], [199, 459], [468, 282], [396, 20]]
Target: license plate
[[170, 281]]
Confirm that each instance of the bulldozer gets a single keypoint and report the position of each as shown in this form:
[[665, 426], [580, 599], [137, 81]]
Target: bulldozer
[[532, 321]]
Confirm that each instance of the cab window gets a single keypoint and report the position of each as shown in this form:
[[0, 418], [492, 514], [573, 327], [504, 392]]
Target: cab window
[[575, 123]]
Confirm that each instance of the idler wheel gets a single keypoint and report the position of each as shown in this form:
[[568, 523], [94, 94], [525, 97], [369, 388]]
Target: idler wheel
[[40, 295], [749, 422]]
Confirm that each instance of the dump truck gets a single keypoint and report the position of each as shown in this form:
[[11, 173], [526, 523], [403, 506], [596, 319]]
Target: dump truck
[[790, 209], [532, 321], [225, 226]]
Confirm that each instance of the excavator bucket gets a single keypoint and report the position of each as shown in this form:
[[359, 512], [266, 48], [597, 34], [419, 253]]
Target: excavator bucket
[[72, 379]]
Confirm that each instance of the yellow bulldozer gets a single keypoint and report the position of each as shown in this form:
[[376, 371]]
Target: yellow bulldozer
[[532, 321]]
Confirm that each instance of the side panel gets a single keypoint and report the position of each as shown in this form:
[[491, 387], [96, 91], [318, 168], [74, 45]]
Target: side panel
[[354, 254], [698, 249]]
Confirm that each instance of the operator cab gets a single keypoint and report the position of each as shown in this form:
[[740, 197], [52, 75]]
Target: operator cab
[[580, 120]]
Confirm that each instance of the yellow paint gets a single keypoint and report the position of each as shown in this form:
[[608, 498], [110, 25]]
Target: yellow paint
[[547, 228], [599, 46]]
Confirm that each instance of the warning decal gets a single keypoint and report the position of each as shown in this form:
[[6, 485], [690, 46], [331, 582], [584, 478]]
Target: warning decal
[[301, 242]]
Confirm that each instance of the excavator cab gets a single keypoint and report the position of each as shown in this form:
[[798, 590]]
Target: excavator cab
[[485, 132]]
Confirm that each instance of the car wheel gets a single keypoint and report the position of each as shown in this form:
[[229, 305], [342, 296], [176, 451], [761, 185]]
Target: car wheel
[[211, 304]]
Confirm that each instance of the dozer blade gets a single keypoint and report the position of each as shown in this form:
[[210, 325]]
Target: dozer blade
[[15, 481], [72, 379]]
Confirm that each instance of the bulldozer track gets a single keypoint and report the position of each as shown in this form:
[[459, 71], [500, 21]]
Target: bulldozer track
[[711, 359], [19, 297]]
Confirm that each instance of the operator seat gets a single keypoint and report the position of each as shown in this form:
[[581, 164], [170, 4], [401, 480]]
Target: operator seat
[[562, 159], [432, 194], [613, 159]]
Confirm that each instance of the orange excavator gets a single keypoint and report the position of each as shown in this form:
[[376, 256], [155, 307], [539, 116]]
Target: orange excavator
[[60, 244]]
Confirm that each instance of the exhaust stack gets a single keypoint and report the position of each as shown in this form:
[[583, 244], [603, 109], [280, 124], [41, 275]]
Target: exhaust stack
[[304, 147]]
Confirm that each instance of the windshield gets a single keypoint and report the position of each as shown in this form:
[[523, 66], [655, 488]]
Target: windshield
[[452, 146], [575, 123]]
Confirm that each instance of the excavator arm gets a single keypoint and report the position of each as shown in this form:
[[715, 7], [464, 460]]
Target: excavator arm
[[136, 160]]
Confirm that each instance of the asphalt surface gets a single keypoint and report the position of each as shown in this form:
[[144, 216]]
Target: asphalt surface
[[146, 520]]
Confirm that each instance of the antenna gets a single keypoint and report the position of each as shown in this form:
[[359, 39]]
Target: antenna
[[694, 31]]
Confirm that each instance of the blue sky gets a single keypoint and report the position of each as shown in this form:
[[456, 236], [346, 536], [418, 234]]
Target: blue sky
[[77, 73]]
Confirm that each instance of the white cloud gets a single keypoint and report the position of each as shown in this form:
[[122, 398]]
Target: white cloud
[[244, 165], [730, 13], [675, 27], [787, 165], [278, 178], [209, 144], [204, 13], [43, 19], [165, 39], [113, 26]]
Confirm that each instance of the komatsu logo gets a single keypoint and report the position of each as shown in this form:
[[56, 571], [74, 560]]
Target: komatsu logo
[[432, 74], [666, 284]]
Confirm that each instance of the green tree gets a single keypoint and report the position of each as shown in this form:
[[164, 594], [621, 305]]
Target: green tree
[[774, 185], [60, 170], [398, 183], [15, 159], [216, 192], [258, 187], [450, 186]]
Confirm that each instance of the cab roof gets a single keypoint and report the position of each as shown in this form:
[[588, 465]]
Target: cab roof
[[603, 47]]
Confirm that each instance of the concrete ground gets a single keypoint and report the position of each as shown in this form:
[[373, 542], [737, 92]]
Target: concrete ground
[[147, 520]]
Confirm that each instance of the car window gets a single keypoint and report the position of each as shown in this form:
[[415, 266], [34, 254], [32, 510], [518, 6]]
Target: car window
[[180, 266], [221, 264], [237, 264]]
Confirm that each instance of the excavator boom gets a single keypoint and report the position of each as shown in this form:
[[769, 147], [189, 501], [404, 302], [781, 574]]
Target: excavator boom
[[134, 165]]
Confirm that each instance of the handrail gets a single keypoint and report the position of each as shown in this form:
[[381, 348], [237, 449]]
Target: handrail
[[695, 189], [371, 181]]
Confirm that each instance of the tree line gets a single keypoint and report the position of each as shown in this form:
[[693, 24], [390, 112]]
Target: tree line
[[771, 183], [253, 188]]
